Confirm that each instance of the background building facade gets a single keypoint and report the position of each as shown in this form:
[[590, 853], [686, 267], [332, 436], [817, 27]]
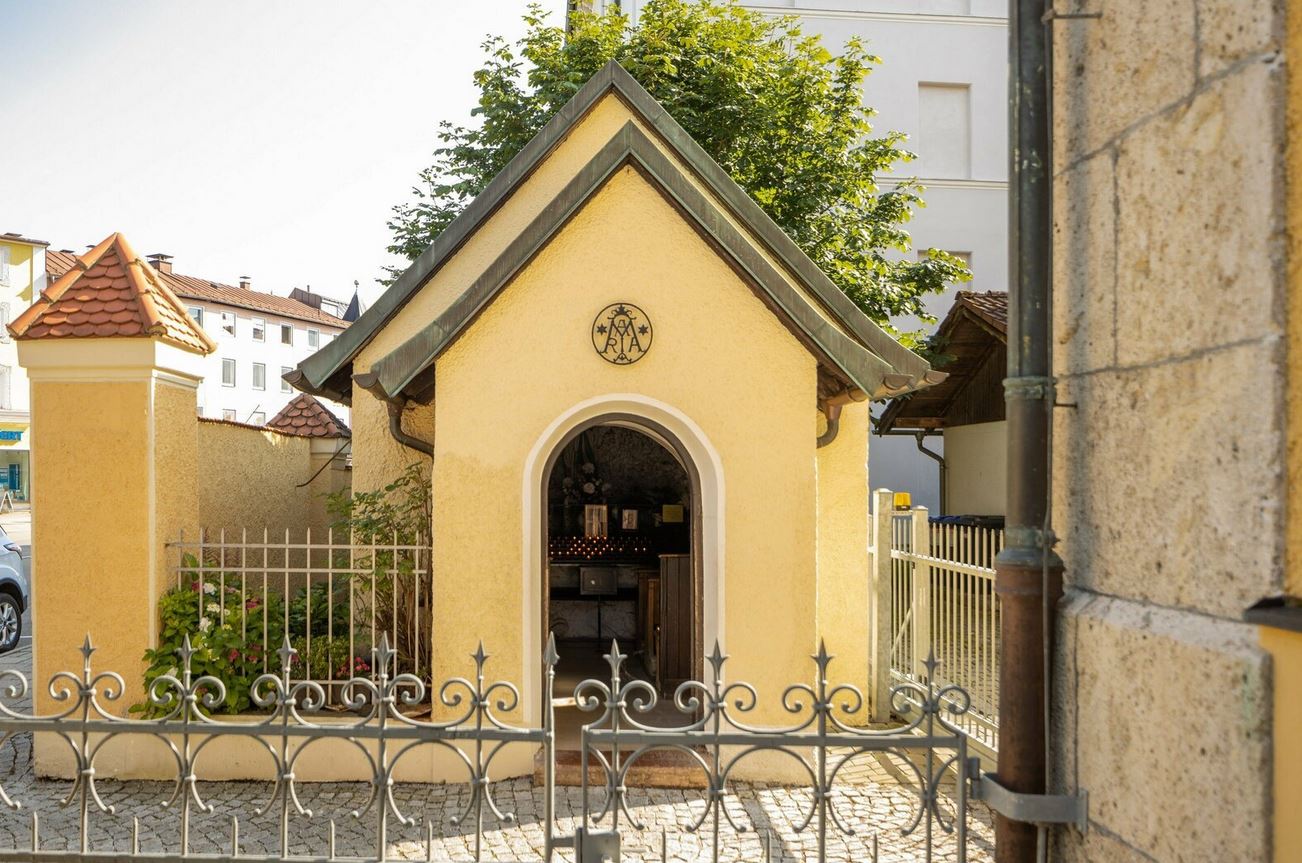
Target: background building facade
[[22, 277], [943, 81], [259, 337]]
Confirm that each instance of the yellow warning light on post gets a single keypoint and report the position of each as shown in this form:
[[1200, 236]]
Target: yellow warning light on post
[[903, 500]]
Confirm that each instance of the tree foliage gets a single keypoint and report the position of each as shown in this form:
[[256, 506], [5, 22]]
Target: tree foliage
[[773, 107]]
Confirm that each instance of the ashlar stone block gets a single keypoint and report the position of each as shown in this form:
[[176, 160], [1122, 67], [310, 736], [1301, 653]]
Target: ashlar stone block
[[1111, 72], [1201, 224], [1170, 713], [1230, 31], [1168, 480], [1085, 264]]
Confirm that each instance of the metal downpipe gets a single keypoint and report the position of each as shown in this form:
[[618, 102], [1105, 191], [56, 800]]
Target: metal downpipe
[[396, 407], [920, 437], [1028, 575]]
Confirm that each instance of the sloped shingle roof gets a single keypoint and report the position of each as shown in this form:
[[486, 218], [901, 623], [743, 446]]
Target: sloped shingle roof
[[195, 288], [307, 417], [111, 292]]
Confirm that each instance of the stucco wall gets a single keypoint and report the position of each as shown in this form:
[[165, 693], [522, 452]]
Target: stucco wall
[[976, 458], [93, 555], [720, 357], [843, 525], [1169, 471], [249, 478]]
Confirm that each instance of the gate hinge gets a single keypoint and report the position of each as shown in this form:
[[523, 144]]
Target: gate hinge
[[596, 846], [1031, 808]]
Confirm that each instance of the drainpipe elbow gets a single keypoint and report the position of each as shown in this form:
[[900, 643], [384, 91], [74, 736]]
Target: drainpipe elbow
[[833, 414], [396, 407]]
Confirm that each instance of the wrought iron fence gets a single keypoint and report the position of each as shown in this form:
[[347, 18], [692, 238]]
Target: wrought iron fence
[[822, 736], [942, 602], [333, 594]]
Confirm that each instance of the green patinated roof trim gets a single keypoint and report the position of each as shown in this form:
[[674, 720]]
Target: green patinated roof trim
[[395, 373], [328, 371]]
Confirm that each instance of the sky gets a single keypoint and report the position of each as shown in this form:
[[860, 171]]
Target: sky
[[242, 137]]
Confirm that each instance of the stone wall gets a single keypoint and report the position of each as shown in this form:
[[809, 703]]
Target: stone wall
[[1169, 471]]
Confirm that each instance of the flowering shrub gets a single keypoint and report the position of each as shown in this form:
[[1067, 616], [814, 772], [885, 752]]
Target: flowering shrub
[[228, 627]]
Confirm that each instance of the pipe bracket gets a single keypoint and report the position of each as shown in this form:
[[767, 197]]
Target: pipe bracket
[[1029, 808], [1017, 536], [1030, 388]]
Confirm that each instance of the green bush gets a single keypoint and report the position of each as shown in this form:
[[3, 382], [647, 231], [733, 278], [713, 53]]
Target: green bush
[[231, 629]]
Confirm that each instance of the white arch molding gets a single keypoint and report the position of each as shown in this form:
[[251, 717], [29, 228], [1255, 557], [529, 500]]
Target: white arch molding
[[709, 469]]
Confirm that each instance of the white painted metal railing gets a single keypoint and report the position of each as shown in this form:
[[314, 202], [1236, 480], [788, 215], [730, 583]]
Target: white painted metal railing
[[936, 594], [334, 594]]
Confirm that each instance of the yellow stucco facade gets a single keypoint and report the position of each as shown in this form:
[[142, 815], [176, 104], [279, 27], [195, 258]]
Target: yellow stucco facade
[[784, 533], [753, 409], [106, 495]]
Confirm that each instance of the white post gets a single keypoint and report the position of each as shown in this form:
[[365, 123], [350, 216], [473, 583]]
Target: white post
[[921, 592], [880, 660]]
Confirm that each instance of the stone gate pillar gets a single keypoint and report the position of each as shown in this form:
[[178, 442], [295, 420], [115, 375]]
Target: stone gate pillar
[[114, 361]]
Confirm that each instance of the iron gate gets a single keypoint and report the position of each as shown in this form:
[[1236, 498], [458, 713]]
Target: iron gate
[[823, 738]]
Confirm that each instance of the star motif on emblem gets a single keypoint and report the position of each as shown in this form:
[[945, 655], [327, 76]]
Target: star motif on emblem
[[622, 333]]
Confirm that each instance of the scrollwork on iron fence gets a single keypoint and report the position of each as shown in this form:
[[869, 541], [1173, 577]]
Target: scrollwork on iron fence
[[378, 723], [828, 730], [817, 726]]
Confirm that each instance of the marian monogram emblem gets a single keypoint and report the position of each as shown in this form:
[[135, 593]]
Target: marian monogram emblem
[[621, 333]]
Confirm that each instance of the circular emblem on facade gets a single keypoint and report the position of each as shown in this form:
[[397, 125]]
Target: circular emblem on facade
[[622, 333]]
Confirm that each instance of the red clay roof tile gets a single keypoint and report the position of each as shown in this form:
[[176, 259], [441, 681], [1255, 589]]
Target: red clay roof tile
[[194, 288], [307, 417], [76, 305]]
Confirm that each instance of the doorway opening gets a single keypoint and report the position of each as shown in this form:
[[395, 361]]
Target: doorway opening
[[622, 562]]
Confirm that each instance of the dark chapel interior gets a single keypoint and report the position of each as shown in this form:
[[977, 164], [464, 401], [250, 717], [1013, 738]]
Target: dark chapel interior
[[619, 540]]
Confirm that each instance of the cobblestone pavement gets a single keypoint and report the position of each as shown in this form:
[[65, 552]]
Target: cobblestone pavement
[[871, 800]]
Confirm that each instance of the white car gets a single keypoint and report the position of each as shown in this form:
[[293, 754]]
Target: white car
[[15, 594]]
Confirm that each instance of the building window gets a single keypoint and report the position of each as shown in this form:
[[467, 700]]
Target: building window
[[313, 338], [228, 322], [5, 403], [258, 418], [198, 410], [284, 384], [228, 373], [944, 142], [259, 329], [196, 313], [286, 334], [228, 414], [259, 376], [4, 323], [4, 265]]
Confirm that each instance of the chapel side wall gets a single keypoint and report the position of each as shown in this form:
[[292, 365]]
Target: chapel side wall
[[378, 458], [1169, 470], [719, 356], [843, 567]]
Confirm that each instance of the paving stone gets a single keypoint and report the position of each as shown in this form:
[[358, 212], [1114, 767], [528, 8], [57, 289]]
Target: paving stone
[[869, 799]]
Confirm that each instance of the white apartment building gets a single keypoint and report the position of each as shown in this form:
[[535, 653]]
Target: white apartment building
[[943, 81], [259, 337], [22, 276]]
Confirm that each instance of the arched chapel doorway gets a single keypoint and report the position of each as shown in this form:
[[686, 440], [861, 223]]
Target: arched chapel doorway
[[622, 542]]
